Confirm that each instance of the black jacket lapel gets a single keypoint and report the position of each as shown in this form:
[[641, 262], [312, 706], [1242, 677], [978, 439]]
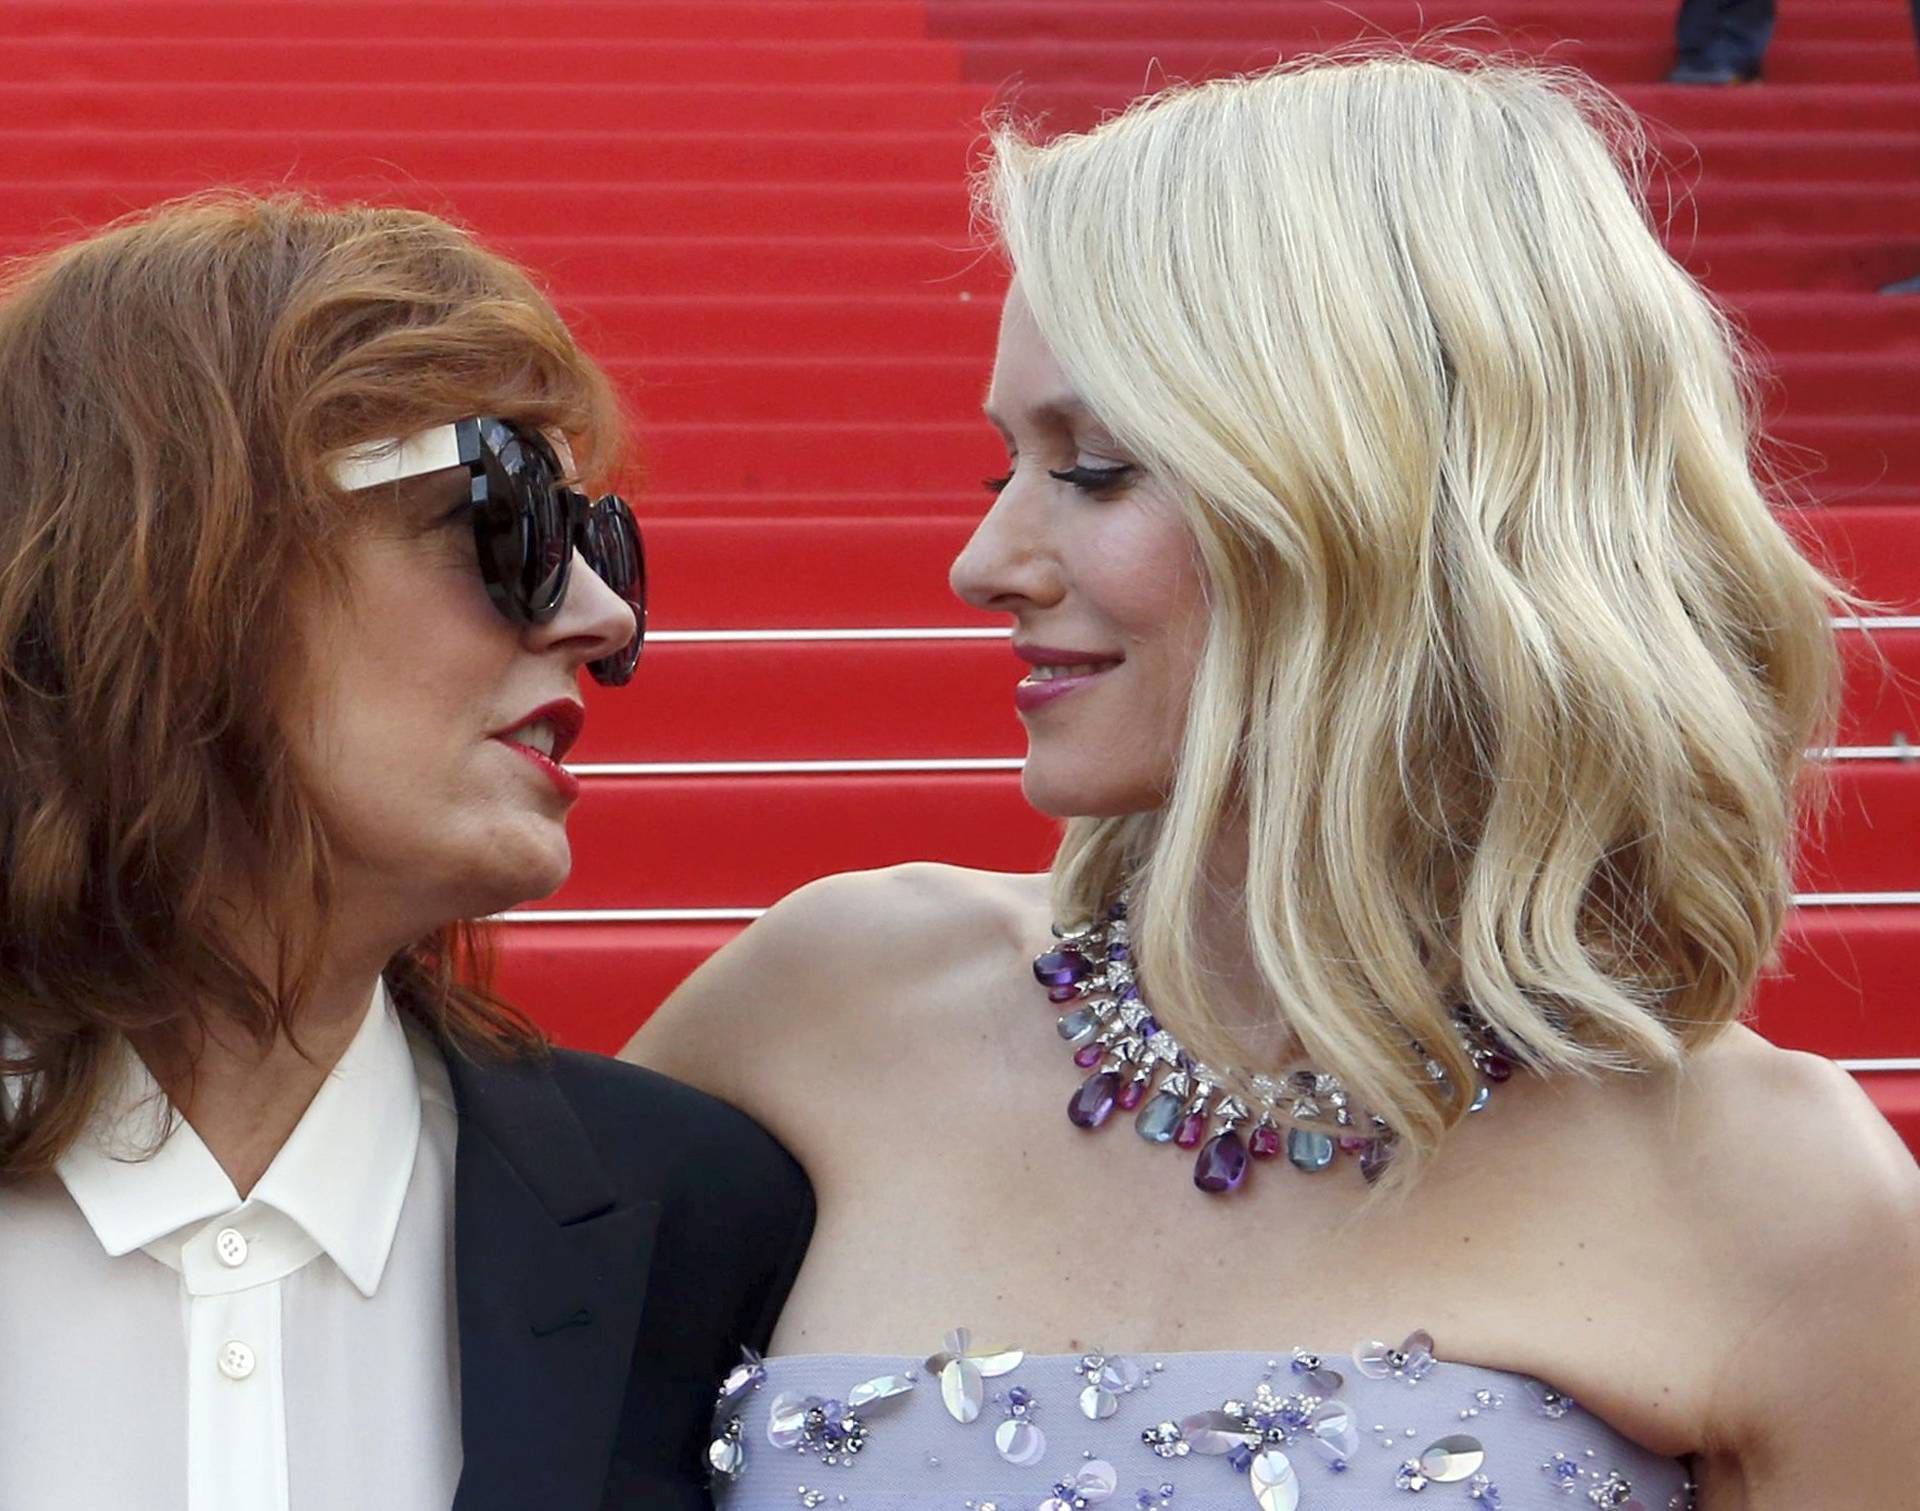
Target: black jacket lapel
[[551, 1271]]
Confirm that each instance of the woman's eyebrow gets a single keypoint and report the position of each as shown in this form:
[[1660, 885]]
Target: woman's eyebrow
[[1062, 409]]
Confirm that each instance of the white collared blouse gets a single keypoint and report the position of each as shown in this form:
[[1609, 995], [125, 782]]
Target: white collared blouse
[[171, 1347]]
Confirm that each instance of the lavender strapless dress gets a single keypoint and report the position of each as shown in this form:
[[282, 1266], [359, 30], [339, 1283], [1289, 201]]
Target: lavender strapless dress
[[1184, 1432]]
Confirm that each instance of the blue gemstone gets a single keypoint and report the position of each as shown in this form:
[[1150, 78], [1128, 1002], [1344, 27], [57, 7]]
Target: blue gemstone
[[1077, 1024], [1308, 1149], [1158, 1117]]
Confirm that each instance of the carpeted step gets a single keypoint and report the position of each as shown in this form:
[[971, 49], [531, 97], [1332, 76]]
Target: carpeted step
[[1331, 22], [457, 155], [1128, 67], [517, 207], [812, 700], [1840, 453], [1808, 105], [798, 570], [802, 389], [747, 839], [576, 61], [640, 105], [1749, 154], [529, 21], [1736, 265], [804, 567], [1845, 970], [672, 390]]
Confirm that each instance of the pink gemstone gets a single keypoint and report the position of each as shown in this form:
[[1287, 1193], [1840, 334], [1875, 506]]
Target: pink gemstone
[[1087, 1056], [1264, 1143], [1193, 1128], [1351, 1145], [1062, 993], [1131, 1093]]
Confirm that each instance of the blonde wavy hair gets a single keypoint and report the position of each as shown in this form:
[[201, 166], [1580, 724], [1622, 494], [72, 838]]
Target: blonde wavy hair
[[1511, 675]]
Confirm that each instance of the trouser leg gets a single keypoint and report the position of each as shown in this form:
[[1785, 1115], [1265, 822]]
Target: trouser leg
[[1746, 26], [1727, 33]]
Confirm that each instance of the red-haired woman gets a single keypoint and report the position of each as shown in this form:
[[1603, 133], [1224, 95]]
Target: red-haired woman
[[295, 594]]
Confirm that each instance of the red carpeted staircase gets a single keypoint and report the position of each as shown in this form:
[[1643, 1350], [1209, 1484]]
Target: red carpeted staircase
[[755, 213]]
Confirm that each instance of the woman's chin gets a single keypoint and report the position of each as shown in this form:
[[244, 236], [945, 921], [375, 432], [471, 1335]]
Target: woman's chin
[[522, 874], [1066, 793]]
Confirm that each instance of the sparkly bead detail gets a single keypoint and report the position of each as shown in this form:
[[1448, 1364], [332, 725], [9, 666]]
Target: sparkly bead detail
[[1136, 1066]]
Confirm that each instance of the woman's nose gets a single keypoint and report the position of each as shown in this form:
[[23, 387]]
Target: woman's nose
[[594, 621], [1007, 562]]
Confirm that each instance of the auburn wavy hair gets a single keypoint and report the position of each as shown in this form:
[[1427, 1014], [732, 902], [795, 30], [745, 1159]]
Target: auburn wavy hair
[[173, 389]]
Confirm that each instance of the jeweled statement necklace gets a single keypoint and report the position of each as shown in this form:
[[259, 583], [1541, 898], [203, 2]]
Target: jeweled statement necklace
[[1135, 1065]]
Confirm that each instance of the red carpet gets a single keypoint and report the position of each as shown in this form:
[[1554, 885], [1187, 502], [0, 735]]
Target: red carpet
[[756, 214]]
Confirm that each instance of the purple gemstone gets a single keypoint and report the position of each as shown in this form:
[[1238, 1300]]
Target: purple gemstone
[[1093, 1102], [1088, 1055], [1353, 1144], [1117, 952], [1265, 1142], [1062, 993], [1496, 1068], [1149, 1026], [1222, 1164], [1061, 968], [1192, 1128], [1130, 1095]]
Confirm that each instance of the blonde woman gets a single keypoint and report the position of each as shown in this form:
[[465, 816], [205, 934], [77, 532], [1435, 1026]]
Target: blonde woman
[[1425, 685]]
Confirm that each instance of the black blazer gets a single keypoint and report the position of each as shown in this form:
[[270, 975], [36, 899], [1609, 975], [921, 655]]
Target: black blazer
[[617, 1238]]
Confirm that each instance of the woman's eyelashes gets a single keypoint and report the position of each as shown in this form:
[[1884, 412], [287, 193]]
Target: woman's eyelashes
[[1086, 479], [1093, 479]]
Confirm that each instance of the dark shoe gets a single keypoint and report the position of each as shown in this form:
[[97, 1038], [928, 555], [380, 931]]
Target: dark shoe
[[1711, 73], [1904, 286]]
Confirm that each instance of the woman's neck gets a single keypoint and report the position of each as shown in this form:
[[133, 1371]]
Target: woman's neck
[[244, 1098]]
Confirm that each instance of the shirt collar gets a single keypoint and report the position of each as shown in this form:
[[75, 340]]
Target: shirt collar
[[342, 1175]]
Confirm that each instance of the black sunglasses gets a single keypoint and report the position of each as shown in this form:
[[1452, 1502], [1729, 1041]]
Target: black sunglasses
[[527, 522]]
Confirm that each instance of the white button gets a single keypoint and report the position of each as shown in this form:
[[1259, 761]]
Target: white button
[[236, 1361], [231, 1245]]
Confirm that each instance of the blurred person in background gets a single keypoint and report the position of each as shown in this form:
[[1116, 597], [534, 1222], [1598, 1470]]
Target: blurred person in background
[[1426, 688], [1721, 41], [295, 595]]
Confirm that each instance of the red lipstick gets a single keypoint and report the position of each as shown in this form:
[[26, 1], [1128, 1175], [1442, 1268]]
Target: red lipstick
[[565, 717]]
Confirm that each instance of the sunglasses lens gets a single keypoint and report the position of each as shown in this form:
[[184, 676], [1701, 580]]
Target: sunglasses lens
[[520, 523], [611, 545]]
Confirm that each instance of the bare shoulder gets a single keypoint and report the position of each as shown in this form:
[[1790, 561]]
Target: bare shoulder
[[1815, 1204], [1788, 1150], [833, 980]]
